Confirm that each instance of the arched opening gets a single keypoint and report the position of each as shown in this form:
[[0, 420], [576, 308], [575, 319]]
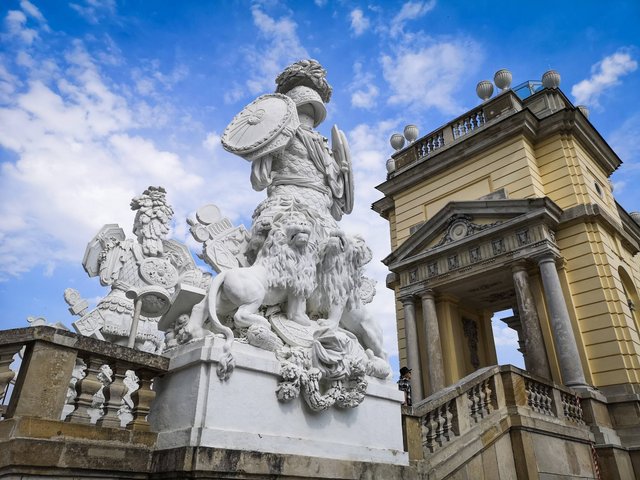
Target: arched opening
[[506, 336]]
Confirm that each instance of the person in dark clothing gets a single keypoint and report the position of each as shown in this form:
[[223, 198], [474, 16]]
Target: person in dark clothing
[[404, 384]]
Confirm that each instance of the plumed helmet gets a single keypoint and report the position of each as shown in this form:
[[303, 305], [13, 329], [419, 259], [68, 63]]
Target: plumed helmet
[[302, 95], [307, 73]]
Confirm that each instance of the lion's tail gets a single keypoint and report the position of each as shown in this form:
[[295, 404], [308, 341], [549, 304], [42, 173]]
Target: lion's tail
[[226, 362]]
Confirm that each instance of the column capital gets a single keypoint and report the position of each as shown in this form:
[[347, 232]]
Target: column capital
[[427, 294], [407, 298], [546, 257], [519, 266]]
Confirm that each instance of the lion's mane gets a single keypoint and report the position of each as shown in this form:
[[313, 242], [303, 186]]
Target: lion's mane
[[287, 265], [339, 274]]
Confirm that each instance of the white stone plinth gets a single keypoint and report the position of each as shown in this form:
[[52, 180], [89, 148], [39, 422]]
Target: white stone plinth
[[194, 408]]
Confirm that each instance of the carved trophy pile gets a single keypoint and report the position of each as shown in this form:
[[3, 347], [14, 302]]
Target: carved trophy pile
[[292, 284]]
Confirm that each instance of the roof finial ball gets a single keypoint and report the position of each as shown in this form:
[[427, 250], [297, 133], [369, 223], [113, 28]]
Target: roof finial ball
[[411, 133], [484, 89], [551, 79], [502, 79], [397, 141]]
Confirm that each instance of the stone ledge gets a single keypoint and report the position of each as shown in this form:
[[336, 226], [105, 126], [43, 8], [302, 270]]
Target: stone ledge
[[202, 462], [64, 338], [93, 458], [44, 429]]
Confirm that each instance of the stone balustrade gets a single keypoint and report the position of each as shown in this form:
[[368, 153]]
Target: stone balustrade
[[486, 415], [458, 128], [67, 377]]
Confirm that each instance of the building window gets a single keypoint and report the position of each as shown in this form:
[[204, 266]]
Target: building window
[[598, 189]]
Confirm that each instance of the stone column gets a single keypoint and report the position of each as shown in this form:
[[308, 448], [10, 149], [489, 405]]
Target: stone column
[[413, 351], [434, 347], [536, 357], [565, 341]]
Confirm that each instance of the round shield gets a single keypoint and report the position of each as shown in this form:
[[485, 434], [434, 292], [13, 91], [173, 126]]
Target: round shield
[[264, 126]]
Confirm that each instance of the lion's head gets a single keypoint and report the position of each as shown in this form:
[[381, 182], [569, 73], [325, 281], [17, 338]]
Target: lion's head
[[288, 255]]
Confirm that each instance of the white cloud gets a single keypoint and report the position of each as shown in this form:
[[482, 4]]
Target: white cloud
[[365, 98], [93, 10], [234, 94], [16, 22], [211, 141], [604, 74], [410, 11], [33, 11], [369, 152], [359, 23], [79, 161], [364, 92], [503, 336], [320, 3], [624, 142], [280, 47], [428, 76], [150, 80]]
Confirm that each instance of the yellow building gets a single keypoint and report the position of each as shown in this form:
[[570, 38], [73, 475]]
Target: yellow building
[[510, 206]]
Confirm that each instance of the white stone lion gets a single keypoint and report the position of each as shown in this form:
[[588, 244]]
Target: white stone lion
[[284, 271], [337, 297]]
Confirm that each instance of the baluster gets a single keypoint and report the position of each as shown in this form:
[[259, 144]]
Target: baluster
[[474, 404], [77, 374], [431, 425], [113, 395], [449, 418], [7, 375], [481, 401], [86, 387], [548, 401], [142, 399], [440, 428], [488, 396]]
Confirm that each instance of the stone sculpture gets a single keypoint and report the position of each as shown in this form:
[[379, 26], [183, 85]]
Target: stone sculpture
[[293, 283], [143, 275]]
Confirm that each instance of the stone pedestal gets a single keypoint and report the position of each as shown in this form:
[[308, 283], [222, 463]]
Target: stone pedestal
[[193, 408]]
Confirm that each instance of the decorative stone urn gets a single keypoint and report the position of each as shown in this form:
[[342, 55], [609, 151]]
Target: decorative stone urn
[[397, 141], [391, 165], [484, 89], [411, 133], [584, 110], [502, 79], [551, 79], [636, 217]]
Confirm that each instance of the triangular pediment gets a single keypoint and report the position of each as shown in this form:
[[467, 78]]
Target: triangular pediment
[[465, 221]]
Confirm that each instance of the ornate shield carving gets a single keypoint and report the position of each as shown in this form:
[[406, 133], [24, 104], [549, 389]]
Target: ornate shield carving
[[264, 126], [341, 153]]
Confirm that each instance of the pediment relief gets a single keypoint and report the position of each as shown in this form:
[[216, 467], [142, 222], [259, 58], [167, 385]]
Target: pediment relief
[[459, 227], [468, 225]]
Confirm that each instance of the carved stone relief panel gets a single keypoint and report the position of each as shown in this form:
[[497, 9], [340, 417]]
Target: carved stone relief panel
[[432, 269], [498, 246], [523, 237], [470, 329]]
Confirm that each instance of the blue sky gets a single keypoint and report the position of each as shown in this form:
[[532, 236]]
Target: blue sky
[[100, 98]]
